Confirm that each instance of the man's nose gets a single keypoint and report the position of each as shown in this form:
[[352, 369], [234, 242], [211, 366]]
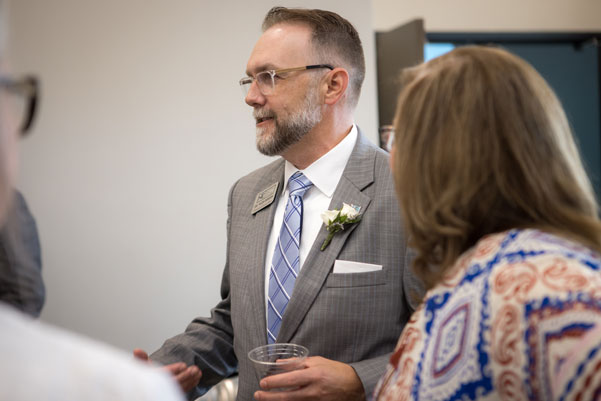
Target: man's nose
[[254, 97]]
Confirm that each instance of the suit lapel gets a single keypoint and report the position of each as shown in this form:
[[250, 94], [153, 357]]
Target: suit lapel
[[357, 175], [262, 224]]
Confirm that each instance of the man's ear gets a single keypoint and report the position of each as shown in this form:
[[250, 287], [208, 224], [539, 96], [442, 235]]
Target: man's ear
[[337, 82]]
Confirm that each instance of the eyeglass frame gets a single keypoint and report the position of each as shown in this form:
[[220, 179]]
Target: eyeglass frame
[[272, 73], [28, 87]]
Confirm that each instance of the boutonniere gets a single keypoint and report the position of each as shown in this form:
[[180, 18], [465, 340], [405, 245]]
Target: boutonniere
[[337, 220]]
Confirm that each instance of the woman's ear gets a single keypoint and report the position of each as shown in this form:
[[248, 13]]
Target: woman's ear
[[337, 82]]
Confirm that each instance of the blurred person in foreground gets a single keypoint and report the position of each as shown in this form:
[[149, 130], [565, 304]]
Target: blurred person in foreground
[[37, 361], [504, 221], [347, 299]]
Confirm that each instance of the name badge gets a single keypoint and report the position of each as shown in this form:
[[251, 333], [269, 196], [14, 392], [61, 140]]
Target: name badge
[[265, 198]]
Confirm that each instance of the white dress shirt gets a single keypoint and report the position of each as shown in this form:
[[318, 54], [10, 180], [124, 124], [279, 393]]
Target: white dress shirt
[[325, 174], [44, 363]]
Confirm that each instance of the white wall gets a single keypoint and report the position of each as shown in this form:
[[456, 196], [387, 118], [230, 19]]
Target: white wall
[[489, 15], [142, 131]]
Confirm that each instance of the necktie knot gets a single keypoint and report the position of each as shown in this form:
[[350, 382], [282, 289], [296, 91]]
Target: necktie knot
[[298, 184]]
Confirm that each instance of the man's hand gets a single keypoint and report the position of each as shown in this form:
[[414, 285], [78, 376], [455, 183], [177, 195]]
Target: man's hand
[[187, 376], [322, 379]]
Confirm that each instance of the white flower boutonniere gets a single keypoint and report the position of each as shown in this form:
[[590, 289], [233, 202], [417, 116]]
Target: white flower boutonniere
[[337, 220]]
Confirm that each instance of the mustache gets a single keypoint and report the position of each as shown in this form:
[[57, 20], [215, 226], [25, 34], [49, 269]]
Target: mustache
[[261, 114]]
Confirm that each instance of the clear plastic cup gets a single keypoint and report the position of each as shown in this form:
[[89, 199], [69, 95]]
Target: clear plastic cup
[[273, 359]]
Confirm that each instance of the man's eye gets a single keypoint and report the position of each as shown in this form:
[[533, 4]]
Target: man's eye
[[263, 78]]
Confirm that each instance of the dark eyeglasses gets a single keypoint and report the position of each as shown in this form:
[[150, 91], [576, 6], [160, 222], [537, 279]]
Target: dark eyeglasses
[[23, 96]]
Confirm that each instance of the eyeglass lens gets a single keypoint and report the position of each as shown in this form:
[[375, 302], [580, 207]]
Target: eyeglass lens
[[264, 81]]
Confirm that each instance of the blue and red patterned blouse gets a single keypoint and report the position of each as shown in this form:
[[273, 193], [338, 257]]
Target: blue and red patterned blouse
[[518, 317]]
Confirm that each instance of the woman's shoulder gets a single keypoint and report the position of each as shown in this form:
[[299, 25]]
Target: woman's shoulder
[[533, 274], [538, 249], [542, 261], [532, 242]]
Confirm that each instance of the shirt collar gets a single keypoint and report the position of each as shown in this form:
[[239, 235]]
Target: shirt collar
[[326, 171]]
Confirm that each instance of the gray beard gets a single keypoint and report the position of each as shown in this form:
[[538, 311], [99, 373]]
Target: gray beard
[[289, 131]]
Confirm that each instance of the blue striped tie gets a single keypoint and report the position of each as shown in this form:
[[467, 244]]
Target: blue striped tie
[[285, 263]]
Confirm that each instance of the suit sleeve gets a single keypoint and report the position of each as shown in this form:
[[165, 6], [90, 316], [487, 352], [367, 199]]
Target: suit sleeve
[[206, 342], [21, 283], [370, 371]]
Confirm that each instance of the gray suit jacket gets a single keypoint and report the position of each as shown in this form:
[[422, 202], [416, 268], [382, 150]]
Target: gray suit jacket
[[21, 283], [353, 318]]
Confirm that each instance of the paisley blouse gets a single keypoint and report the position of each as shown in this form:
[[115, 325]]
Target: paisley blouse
[[518, 317]]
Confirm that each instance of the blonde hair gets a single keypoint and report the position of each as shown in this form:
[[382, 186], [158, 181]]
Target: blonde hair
[[483, 145]]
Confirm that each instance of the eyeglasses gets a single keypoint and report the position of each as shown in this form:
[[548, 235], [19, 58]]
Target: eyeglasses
[[266, 79], [23, 98]]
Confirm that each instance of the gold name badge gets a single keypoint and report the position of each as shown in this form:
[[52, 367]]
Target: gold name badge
[[265, 198]]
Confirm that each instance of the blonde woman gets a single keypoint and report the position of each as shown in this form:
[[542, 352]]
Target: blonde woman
[[504, 222]]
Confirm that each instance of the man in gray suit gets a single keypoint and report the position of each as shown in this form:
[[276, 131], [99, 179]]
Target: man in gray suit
[[348, 302]]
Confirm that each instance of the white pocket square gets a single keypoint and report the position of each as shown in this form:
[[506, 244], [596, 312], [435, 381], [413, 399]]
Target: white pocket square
[[347, 266]]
